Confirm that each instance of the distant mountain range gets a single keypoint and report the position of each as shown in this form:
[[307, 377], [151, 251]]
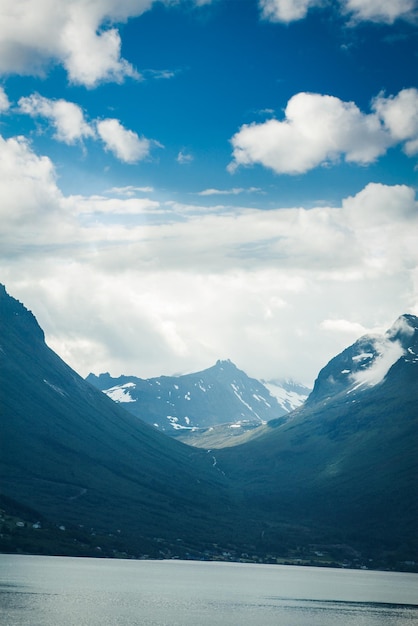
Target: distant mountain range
[[222, 394], [334, 481]]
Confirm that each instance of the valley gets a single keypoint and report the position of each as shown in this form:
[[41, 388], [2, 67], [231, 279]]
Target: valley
[[333, 481]]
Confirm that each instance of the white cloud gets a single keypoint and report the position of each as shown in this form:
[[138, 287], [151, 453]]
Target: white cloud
[[78, 34], [125, 144], [81, 35], [386, 206], [159, 74], [317, 129], [400, 116], [115, 206], [343, 326], [228, 192], [286, 10], [279, 291], [386, 11], [388, 352], [70, 126], [4, 100], [34, 33], [66, 117], [31, 208], [183, 158], [129, 190]]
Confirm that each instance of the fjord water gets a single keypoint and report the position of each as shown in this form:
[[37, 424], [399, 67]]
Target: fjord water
[[51, 591]]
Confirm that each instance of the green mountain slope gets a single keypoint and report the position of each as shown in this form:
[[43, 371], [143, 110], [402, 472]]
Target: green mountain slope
[[345, 462], [75, 456]]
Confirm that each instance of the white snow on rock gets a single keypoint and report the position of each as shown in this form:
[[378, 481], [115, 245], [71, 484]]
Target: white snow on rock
[[288, 400], [55, 388], [236, 390], [120, 393]]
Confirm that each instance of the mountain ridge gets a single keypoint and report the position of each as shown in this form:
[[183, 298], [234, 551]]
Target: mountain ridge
[[219, 395]]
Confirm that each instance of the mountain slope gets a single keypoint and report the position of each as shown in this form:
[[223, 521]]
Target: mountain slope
[[348, 459], [75, 456], [222, 394], [339, 475]]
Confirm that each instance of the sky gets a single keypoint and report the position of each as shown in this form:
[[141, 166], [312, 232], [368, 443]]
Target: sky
[[183, 181]]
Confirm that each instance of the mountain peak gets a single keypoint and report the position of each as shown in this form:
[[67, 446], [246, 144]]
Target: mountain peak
[[369, 360], [225, 363], [16, 318], [403, 329]]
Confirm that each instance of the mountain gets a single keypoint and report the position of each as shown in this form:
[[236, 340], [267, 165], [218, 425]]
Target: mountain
[[345, 462], [335, 481], [289, 393], [220, 395], [76, 458]]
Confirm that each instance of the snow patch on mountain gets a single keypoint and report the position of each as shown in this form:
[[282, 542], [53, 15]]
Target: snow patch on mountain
[[290, 395], [120, 393], [236, 391]]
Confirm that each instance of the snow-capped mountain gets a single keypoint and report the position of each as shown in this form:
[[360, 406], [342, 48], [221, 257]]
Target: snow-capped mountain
[[290, 394], [218, 395], [368, 361]]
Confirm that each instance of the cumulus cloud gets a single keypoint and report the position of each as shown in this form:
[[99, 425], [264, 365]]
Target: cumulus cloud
[[4, 100], [31, 201], [386, 205], [317, 129], [70, 126], [35, 33], [386, 11], [78, 34], [126, 145], [286, 10], [320, 130], [66, 117], [400, 116]]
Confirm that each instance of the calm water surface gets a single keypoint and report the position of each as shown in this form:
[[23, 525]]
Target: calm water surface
[[61, 591]]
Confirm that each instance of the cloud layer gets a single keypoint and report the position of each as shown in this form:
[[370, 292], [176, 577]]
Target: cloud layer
[[321, 129], [279, 291]]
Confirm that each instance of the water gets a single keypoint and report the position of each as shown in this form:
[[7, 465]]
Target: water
[[61, 591]]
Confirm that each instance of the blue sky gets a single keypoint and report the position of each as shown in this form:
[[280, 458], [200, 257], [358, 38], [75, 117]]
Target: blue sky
[[201, 179]]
